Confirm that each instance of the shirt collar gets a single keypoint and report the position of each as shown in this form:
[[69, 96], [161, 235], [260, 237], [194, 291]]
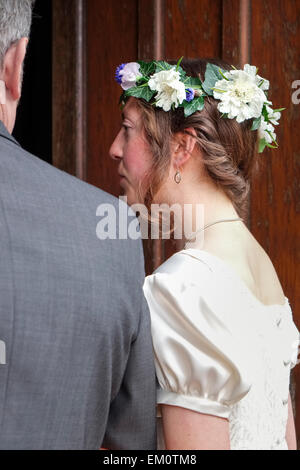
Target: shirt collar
[[4, 133]]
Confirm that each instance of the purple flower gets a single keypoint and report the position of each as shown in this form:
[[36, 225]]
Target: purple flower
[[190, 94], [128, 74], [118, 77]]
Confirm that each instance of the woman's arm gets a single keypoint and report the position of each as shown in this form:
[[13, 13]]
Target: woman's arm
[[185, 429], [290, 428]]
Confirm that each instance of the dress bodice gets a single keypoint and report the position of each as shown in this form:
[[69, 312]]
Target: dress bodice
[[219, 350]]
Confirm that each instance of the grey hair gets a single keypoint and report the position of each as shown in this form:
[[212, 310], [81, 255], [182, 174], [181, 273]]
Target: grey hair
[[15, 23]]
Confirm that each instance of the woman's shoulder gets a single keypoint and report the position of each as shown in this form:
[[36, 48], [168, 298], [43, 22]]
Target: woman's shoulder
[[180, 275], [185, 267], [242, 256], [268, 284], [190, 276], [243, 273]]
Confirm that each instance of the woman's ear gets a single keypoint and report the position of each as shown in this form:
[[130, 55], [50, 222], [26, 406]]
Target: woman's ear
[[184, 144]]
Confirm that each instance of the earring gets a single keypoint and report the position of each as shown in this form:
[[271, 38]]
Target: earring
[[177, 177]]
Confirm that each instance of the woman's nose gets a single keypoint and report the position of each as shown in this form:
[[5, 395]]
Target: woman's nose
[[115, 151]]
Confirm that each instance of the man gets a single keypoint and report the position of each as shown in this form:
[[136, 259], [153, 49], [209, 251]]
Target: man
[[76, 369]]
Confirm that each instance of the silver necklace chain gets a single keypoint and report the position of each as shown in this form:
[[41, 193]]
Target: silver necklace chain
[[208, 225]]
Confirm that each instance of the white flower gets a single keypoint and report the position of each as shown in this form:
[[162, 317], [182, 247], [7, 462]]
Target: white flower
[[240, 95], [129, 75], [273, 117], [264, 131], [251, 70], [169, 87]]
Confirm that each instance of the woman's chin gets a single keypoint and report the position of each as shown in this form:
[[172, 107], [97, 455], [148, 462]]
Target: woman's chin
[[130, 198], [127, 191]]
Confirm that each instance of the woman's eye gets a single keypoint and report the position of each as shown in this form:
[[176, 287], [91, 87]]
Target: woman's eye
[[126, 127]]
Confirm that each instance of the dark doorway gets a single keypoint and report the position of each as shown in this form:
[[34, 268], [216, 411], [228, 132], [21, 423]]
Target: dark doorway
[[33, 129]]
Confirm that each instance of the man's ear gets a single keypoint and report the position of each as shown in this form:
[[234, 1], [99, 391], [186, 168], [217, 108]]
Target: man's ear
[[184, 146], [13, 68]]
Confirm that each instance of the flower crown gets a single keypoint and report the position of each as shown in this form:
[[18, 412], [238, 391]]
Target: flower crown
[[242, 93]]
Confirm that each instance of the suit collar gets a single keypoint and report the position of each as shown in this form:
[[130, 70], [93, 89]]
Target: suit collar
[[4, 133]]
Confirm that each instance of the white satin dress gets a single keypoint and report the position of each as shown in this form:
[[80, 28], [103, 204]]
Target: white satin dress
[[219, 350]]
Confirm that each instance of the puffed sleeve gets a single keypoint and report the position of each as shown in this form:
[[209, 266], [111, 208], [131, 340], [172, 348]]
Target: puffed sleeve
[[199, 359]]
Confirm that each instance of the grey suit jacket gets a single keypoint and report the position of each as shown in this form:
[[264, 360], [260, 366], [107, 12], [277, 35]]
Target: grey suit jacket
[[79, 370]]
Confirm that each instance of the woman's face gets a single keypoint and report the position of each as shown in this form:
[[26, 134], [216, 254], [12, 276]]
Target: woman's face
[[131, 150]]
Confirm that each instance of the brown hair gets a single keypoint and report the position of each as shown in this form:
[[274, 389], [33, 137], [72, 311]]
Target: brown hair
[[229, 148]]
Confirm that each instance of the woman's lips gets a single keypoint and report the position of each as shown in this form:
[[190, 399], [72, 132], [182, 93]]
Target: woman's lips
[[122, 177]]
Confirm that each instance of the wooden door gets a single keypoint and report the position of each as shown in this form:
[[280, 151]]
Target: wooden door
[[91, 37]]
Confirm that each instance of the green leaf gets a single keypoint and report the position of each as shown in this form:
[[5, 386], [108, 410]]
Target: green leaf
[[278, 110], [178, 63], [261, 146], [256, 124], [193, 82], [182, 74], [265, 113], [197, 104], [218, 90], [147, 68], [122, 98], [223, 76], [140, 92], [212, 75], [140, 81], [162, 65], [273, 141], [273, 146]]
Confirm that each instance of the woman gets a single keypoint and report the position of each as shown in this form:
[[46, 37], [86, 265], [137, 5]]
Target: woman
[[223, 334]]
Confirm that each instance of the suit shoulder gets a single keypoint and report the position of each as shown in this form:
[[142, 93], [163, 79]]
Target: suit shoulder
[[40, 172]]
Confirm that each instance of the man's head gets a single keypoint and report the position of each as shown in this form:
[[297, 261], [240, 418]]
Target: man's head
[[15, 23]]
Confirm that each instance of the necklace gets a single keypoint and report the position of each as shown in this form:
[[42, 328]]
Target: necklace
[[208, 225]]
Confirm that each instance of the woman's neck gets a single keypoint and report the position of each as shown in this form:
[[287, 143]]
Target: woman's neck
[[200, 205]]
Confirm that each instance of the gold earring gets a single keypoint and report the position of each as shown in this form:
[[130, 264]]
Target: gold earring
[[177, 177]]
